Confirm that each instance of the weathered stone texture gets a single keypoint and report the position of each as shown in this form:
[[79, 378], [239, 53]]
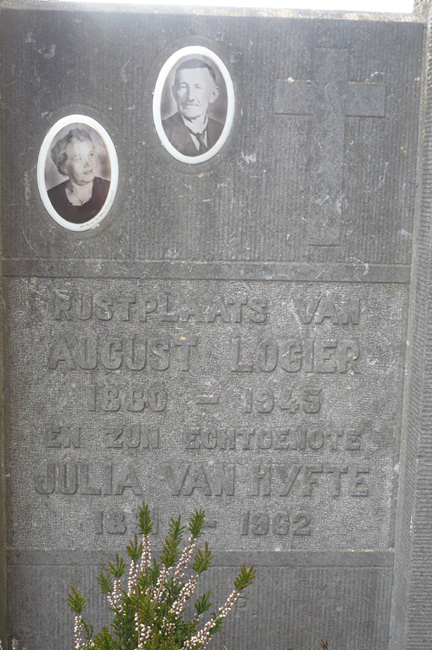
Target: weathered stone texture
[[233, 335]]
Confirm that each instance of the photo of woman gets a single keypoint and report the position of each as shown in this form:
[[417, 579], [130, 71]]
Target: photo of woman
[[82, 196], [75, 173]]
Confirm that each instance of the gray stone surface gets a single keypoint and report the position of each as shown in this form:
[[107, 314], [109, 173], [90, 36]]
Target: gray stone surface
[[3, 569], [233, 336], [411, 611]]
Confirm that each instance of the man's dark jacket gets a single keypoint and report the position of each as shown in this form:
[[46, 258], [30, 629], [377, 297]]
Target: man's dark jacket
[[180, 137]]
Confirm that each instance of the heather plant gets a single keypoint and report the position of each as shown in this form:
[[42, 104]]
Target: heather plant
[[148, 599]]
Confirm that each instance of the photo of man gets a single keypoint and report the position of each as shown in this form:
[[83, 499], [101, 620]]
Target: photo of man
[[191, 130]]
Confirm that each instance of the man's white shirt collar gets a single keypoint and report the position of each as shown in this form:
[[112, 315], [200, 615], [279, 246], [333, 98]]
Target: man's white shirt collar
[[193, 131]]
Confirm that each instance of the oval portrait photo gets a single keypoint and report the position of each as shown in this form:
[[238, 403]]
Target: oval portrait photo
[[77, 172], [193, 104]]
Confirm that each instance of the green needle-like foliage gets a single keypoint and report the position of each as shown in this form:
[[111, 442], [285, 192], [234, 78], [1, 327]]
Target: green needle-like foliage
[[104, 640], [149, 600], [171, 550], [88, 631], [244, 578], [117, 569], [196, 523], [76, 601], [203, 604], [105, 584], [203, 559], [134, 549], [145, 520]]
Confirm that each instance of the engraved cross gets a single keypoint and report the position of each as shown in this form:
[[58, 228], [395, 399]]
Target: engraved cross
[[330, 98]]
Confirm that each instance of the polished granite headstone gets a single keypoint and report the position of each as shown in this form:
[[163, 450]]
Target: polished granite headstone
[[229, 331]]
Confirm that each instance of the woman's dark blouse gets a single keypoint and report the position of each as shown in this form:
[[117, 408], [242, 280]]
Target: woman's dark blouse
[[79, 213]]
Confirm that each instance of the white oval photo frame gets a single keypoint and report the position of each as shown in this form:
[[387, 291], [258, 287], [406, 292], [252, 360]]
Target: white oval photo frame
[[47, 144], [189, 52]]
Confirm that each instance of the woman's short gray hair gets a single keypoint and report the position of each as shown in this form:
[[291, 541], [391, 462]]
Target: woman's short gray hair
[[58, 152]]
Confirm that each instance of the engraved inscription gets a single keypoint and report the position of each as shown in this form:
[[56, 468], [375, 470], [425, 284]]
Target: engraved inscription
[[281, 479], [121, 522], [79, 478], [321, 309], [211, 394], [279, 523], [264, 400], [135, 399], [207, 480], [132, 437], [300, 438], [134, 353], [63, 437], [294, 355], [163, 308]]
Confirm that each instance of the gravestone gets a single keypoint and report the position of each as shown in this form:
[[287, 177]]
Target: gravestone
[[228, 327]]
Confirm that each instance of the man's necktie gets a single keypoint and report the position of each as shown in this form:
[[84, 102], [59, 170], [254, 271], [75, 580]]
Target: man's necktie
[[202, 144]]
